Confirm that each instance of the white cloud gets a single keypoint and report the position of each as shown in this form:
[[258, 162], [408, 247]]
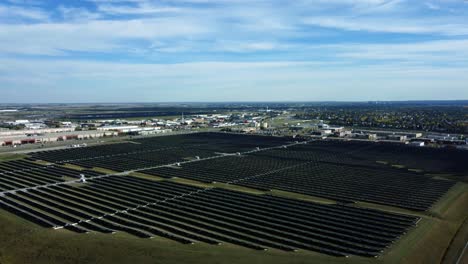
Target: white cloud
[[143, 9], [18, 13], [228, 25], [77, 14], [441, 51], [388, 25], [248, 46], [104, 36]]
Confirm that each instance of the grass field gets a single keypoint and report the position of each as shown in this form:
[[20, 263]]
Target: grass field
[[11, 156], [74, 167], [105, 171], [457, 245]]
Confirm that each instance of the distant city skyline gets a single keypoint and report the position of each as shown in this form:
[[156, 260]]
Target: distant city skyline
[[232, 50]]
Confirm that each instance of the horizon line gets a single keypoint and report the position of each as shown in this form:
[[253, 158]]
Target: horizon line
[[272, 101]]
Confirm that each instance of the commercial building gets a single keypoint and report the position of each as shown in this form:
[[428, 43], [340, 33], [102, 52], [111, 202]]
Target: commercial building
[[397, 137], [25, 132], [391, 135], [365, 136], [120, 129]]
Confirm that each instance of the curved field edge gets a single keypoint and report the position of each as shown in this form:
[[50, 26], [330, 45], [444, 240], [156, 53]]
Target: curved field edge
[[435, 234]]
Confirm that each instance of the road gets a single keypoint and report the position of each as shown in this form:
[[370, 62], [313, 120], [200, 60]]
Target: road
[[463, 256]]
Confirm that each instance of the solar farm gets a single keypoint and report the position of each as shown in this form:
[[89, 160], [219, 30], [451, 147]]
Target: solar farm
[[259, 193]]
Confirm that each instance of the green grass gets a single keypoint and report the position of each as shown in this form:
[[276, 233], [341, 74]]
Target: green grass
[[436, 242], [151, 117], [146, 176], [416, 170], [168, 117], [42, 162], [449, 198], [453, 177], [457, 245], [103, 170], [432, 238], [405, 246], [390, 209], [73, 167], [301, 197], [11, 156], [217, 185]]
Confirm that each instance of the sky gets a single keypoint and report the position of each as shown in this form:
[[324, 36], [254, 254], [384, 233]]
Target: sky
[[55, 51]]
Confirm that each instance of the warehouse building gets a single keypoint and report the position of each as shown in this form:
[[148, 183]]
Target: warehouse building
[[24, 132], [53, 137]]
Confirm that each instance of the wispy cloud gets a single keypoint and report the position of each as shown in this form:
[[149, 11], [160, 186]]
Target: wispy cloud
[[105, 36], [18, 13], [140, 9], [422, 53], [389, 25], [73, 14]]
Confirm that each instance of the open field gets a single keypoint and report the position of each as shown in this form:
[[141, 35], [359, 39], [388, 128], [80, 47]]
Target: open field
[[212, 203], [9, 156]]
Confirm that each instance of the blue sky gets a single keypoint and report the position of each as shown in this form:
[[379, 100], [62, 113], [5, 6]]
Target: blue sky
[[232, 50]]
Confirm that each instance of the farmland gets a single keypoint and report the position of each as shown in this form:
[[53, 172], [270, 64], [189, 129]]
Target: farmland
[[153, 203]]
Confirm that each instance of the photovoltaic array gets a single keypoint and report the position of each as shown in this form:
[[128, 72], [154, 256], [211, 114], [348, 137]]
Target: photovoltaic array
[[52, 195]]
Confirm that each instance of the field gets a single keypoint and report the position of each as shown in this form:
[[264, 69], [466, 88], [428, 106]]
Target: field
[[227, 198], [6, 157]]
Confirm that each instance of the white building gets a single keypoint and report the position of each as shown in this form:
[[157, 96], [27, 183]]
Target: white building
[[417, 143], [66, 124], [54, 137], [21, 122], [121, 129], [35, 131], [35, 126]]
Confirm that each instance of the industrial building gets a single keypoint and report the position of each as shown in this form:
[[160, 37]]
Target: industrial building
[[133, 129], [391, 135], [13, 140], [24, 132]]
